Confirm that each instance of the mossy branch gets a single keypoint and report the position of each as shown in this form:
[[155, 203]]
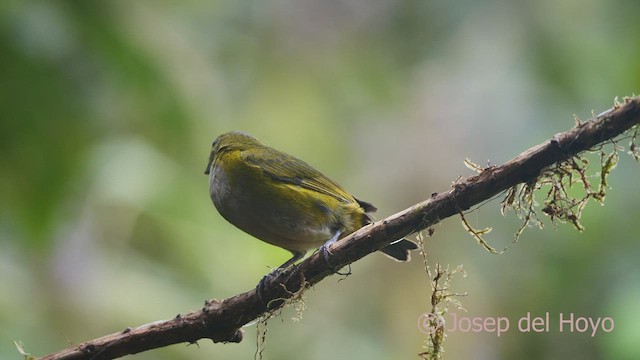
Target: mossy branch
[[221, 320]]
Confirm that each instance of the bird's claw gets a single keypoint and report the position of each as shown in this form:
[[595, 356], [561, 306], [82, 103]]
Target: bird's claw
[[263, 285], [324, 250]]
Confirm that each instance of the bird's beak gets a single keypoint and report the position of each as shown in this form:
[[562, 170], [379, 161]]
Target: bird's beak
[[208, 169]]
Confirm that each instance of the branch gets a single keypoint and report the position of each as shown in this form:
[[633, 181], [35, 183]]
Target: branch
[[221, 321]]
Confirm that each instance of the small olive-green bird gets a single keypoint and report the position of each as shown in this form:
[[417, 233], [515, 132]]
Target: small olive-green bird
[[282, 200]]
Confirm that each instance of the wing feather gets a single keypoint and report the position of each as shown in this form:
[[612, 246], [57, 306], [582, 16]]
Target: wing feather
[[291, 170]]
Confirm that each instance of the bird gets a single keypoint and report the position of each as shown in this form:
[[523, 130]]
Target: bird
[[283, 201]]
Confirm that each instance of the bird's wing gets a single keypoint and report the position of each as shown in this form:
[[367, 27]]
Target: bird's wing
[[288, 169]]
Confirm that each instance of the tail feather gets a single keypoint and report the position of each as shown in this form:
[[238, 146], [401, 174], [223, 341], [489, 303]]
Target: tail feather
[[368, 207], [400, 250]]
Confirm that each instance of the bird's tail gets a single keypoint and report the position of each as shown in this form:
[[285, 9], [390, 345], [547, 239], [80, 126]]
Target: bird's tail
[[400, 250]]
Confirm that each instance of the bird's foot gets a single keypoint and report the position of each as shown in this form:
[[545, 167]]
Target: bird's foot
[[324, 251], [264, 284], [267, 281]]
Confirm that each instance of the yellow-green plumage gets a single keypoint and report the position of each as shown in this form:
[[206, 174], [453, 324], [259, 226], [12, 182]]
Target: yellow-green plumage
[[282, 200]]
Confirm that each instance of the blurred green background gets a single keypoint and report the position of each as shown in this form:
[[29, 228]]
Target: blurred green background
[[108, 110]]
